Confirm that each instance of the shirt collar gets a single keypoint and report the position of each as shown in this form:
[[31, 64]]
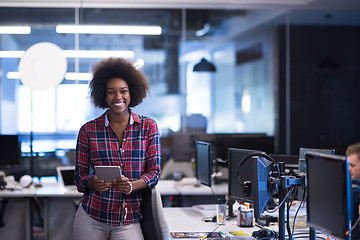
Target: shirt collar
[[133, 117]]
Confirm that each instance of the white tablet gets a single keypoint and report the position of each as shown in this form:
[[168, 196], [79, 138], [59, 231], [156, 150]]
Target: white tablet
[[107, 173]]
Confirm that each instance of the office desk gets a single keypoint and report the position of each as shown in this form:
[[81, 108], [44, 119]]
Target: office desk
[[59, 207], [17, 213], [189, 219]]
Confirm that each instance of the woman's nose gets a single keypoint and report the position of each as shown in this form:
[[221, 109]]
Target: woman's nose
[[118, 94]]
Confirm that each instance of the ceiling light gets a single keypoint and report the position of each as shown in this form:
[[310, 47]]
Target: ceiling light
[[97, 54], [13, 75], [15, 30], [11, 54], [106, 29], [68, 76], [76, 54], [204, 66], [78, 76]]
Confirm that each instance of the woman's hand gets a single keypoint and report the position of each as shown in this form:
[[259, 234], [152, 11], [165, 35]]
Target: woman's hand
[[97, 184], [122, 184]]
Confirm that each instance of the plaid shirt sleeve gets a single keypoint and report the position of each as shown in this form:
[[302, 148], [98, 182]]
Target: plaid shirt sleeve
[[82, 156], [152, 155]]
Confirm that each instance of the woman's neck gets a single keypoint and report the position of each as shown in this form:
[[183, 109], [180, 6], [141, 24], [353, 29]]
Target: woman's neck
[[118, 118]]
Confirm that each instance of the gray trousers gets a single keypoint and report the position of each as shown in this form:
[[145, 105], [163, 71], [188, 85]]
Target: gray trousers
[[87, 228]]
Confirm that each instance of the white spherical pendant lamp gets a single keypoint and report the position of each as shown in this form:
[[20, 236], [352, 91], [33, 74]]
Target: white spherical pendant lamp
[[43, 66]]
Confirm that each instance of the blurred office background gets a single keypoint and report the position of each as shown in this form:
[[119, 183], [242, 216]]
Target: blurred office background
[[287, 73]]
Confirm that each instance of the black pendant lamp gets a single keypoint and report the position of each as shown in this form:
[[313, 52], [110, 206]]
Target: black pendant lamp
[[204, 66], [328, 64]]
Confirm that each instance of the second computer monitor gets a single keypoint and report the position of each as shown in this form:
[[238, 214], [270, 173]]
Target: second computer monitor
[[303, 151], [203, 162], [329, 194]]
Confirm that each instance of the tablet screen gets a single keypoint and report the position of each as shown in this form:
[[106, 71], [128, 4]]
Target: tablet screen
[[107, 173]]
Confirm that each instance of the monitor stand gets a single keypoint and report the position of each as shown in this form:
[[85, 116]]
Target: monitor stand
[[285, 183]]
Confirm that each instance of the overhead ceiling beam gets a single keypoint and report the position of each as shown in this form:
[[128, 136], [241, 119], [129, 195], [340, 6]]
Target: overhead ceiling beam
[[190, 4]]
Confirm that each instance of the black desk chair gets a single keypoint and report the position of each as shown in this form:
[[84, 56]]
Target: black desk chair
[[153, 224]]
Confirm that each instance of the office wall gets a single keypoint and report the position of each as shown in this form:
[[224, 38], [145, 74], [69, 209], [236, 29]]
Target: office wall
[[8, 102], [324, 104]]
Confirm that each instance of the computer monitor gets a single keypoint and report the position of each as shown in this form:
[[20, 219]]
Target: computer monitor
[[303, 151], [10, 151], [203, 161], [329, 194], [248, 178], [66, 175]]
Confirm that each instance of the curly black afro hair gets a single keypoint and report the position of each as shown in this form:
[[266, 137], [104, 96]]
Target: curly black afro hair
[[110, 68]]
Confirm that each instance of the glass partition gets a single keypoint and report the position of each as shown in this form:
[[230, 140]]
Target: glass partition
[[248, 92]]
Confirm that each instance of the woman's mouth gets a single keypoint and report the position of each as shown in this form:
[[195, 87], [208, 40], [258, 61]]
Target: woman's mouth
[[119, 104]]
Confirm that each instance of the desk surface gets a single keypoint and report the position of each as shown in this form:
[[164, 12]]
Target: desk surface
[[190, 219], [189, 187], [167, 187], [56, 190]]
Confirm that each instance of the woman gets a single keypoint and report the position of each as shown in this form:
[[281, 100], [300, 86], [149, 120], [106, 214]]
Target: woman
[[118, 137]]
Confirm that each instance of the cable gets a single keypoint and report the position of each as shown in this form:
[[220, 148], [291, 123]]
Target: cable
[[355, 224], [217, 199], [272, 211], [214, 195], [291, 200], [288, 219], [301, 203], [212, 190], [219, 225]]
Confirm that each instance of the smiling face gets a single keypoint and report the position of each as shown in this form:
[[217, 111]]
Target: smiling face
[[118, 95]]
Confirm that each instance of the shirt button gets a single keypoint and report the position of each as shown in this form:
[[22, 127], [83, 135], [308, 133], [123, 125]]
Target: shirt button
[[124, 139], [123, 150], [121, 164]]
